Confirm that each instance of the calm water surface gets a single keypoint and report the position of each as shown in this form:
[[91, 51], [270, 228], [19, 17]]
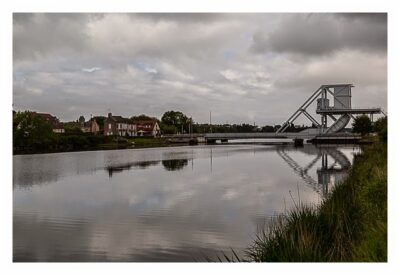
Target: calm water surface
[[162, 204]]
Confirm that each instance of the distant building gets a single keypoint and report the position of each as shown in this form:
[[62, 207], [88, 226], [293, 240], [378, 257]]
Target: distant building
[[90, 126], [85, 126], [94, 126], [59, 129], [148, 128], [56, 125], [117, 125]]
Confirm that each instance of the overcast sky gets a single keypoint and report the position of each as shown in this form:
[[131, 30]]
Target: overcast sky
[[244, 68]]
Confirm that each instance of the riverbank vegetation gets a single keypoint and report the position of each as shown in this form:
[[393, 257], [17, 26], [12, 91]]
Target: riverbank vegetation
[[143, 142], [349, 226], [33, 134]]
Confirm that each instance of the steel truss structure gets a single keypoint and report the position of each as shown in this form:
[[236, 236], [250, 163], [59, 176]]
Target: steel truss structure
[[342, 106]]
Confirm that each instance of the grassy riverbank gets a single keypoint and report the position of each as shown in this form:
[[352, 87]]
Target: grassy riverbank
[[350, 225], [148, 141], [86, 142]]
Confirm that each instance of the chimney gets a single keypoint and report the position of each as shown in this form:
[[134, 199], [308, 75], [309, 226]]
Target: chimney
[[109, 115]]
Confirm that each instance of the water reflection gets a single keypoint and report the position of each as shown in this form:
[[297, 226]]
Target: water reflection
[[128, 166], [328, 175], [174, 164], [157, 208], [169, 165]]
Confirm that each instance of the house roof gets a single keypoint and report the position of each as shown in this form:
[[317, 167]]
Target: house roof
[[146, 122], [58, 125], [55, 123], [145, 125], [45, 115], [87, 124], [120, 119]]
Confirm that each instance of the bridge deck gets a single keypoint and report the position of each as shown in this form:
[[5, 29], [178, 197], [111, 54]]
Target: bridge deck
[[350, 111], [300, 135], [289, 135]]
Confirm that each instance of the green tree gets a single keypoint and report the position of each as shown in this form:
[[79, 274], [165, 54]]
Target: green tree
[[362, 124], [168, 129], [143, 117], [268, 129], [81, 119], [32, 132], [380, 127], [177, 119], [72, 128]]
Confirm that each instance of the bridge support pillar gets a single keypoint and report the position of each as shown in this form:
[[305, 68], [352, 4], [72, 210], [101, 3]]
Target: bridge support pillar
[[298, 142], [193, 141], [211, 141]]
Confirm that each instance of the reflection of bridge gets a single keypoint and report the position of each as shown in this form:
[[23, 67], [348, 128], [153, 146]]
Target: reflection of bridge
[[328, 175], [340, 113]]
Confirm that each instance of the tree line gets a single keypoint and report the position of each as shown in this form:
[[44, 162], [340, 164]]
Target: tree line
[[174, 122], [33, 134]]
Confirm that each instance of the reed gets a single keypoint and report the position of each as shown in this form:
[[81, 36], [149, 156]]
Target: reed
[[350, 225]]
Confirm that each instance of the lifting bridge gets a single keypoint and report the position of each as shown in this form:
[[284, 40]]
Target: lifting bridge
[[340, 113]]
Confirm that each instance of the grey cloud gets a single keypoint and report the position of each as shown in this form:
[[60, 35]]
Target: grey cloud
[[113, 36], [185, 17], [91, 70], [35, 35], [377, 17], [321, 34], [151, 63]]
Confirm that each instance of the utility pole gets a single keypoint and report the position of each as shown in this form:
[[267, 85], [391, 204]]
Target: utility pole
[[210, 123], [191, 127]]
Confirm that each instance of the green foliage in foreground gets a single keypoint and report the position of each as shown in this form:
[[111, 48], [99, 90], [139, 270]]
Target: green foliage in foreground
[[31, 131], [380, 127], [350, 225], [362, 124]]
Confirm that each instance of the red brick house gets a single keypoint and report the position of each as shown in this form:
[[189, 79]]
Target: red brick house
[[118, 125], [148, 128], [58, 127]]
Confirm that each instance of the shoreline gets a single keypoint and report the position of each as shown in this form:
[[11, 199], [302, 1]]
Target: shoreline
[[155, 143], [349, 226]]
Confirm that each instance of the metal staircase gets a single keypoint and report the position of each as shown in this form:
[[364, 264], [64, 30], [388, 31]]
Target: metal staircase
[[339, 124]]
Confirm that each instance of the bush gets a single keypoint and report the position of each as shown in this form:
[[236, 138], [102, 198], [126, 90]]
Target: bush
[[362, 124], [380, 127]]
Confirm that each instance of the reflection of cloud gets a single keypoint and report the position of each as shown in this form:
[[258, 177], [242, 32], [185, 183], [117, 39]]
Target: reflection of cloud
[[152, 214], [29, 170], [230, 194], [32, 170], [38, 239]]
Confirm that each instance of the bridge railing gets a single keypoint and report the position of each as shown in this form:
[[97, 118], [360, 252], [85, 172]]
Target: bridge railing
[[284, 135]]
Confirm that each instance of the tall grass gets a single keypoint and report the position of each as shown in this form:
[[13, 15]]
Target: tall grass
[[350, 225]]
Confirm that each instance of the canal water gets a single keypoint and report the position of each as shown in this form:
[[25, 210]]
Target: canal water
[[162, 204]]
